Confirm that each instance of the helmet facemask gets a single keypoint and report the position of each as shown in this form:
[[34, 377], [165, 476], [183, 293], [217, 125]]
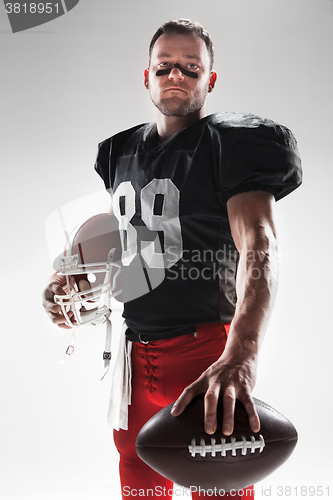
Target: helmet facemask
[[89, 287]]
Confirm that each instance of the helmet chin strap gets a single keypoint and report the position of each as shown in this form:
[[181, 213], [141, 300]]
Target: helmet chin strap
[[186, 72], [107, 352], [95, 317]]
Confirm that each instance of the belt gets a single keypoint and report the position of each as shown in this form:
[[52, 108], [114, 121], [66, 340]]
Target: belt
[[145, 339]]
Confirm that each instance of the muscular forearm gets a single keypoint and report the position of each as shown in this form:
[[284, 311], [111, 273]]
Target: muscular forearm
[[256, 287], [233, 375]]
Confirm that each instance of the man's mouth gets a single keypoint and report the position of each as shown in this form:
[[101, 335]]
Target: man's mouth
[[174, 89]]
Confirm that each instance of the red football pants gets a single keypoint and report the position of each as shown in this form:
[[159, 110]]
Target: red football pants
[[160, 372]]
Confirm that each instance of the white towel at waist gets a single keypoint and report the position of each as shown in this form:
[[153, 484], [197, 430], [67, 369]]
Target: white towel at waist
[[121, 384]]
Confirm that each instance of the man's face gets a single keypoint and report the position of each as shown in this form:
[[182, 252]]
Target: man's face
[[176, 94]]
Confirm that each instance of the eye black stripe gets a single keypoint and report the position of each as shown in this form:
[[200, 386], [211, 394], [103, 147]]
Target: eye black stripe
[[185, 72]]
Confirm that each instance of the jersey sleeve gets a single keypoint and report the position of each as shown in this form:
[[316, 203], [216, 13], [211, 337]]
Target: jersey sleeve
[[258, 154], [102, 164], [108, 152]]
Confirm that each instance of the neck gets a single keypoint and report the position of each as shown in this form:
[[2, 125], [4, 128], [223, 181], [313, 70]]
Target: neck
[[167, 126]]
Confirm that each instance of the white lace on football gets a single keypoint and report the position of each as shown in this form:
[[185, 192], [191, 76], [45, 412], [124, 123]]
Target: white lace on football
[[222, 447]]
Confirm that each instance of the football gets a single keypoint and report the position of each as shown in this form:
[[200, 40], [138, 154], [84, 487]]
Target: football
[[179, 449]]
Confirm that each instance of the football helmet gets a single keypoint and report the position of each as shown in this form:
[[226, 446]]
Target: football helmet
[[91, 258], [91, 262]]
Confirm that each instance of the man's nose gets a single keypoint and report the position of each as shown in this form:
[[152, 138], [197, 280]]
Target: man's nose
[[176, 74]]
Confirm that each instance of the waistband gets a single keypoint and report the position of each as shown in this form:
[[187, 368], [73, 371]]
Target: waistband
[[137, 337]]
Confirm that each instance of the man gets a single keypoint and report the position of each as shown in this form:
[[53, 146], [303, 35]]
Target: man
[[208, 185]]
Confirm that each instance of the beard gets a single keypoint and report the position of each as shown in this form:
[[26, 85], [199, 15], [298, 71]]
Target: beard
[[173, 106]]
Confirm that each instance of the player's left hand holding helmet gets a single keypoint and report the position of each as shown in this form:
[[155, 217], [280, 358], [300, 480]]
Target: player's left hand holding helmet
[[87, 277], [91, 266]]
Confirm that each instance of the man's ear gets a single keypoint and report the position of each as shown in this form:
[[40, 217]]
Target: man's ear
[[212, 80], [146, 82]]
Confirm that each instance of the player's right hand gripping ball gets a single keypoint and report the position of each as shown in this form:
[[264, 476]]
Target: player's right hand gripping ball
[[179, 449]]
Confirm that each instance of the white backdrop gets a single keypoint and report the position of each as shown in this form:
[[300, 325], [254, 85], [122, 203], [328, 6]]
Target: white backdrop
[[69, 84]]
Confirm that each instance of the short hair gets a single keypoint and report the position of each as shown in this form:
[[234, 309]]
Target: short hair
[[185, 27]]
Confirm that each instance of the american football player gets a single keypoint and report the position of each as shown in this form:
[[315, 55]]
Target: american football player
[[208, 185]]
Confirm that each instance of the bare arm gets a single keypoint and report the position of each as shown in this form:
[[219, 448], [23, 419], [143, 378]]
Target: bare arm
[[251, 217]]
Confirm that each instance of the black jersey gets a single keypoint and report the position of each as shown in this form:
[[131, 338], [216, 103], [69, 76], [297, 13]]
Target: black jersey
[[180, 189]]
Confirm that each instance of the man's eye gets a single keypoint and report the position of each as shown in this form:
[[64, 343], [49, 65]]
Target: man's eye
[[163, 64], [192, 66]]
